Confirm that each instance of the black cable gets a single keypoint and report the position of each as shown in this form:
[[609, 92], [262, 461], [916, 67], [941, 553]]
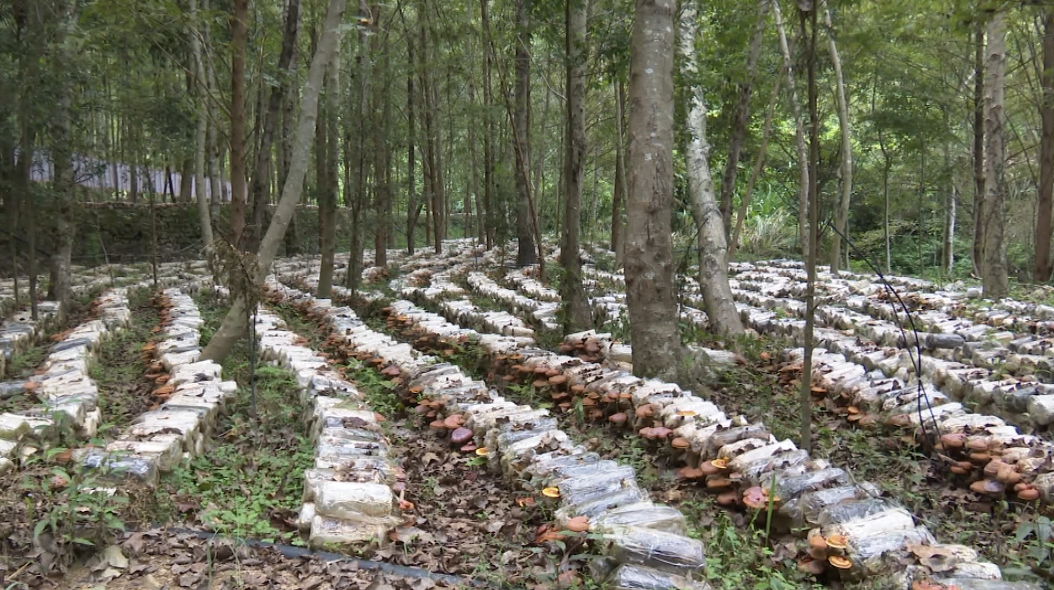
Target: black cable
[[917, 358]]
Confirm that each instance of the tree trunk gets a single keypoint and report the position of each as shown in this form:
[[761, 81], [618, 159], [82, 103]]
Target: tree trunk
[[841, 221], [63, 181], [488, 135], [978, 152], [799, 135], [380, 146], [948, 251], [525, 249], [577, 314], [1044, 266], [741, 116], [473, 190], [285, 148], [239, 33], [358, 159], [234, 323], [201, 135], [759, 165], [650, 295], [619, 195], [412, 208], [994, 279], [713, 250], [260, 186], [327, 197], [186, 173], [813, 249]]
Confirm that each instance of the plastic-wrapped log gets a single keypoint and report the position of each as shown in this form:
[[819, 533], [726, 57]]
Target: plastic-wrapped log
[[632, 577], [642, 514], [663, 551]]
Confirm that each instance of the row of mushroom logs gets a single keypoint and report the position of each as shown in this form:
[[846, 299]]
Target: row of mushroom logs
[[993, 468], [789, 376], [555, 384], [148, 355]]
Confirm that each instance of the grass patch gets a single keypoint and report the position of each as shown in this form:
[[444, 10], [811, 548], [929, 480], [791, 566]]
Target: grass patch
[[124, 392]]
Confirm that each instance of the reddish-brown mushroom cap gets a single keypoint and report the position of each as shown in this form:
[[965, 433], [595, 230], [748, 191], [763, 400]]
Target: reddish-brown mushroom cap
[[755, 498], [690, 472], [987, 487], [461, 435], [618, 419], [680, 443], [727, 498]]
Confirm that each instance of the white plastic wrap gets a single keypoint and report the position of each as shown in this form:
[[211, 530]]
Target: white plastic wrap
[[353, 501], [663, 551], [632, 577], [643, 514]]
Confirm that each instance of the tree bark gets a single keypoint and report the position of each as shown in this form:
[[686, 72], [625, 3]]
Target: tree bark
[[327, 196], [473, 190], [357, 159], [63, 181], [488, 135], [1044, 266], [619, 195], [994, 280], [577, 315], [201, 134], [380, 145], [413, 209], [813, 249], [710, 231], [741, 116], [759, 165], [799, 134], [978, 152], [650, 296], [239, 33], [841, 221], [525, 249], [234, 323], [260, 186]]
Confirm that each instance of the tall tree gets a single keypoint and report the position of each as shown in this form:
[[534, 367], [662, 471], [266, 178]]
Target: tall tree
[[260, 186], [650, 296], [234, 323], [488, 132], [1044, 265], [799, 133], [710, 231], [201, 136], [619, 195], [978, 151], [413, 208], [326, 153], [381, 198], [62, 154], [741, 115], [994, 277], [239, 34], [577, 314], [525, 250], [846, 165]]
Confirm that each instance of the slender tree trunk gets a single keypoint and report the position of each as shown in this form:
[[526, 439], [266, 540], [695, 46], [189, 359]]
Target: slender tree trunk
[[525, 252], [239, 33], [285, 148], [61, 155], [1044, 266], [994, 278], [234, 323], [576, 306], [741, 116], [259, 187], [473, 190], [327, 152], [488, 135], [201, 135], [799, 134], [412, 208], [948, 251], [357, 158], [380, 146], [978, 152], [650, 295], [10, 184], [842, 215], [713, 250], [619, 194], [759, 165], [813, 250]]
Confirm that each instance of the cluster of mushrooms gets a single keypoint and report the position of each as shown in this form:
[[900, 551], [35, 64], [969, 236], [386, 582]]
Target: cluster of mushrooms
[[156, 371]]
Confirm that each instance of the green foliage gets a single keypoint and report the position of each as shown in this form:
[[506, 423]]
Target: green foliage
[[253, 477], [73, 506]]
